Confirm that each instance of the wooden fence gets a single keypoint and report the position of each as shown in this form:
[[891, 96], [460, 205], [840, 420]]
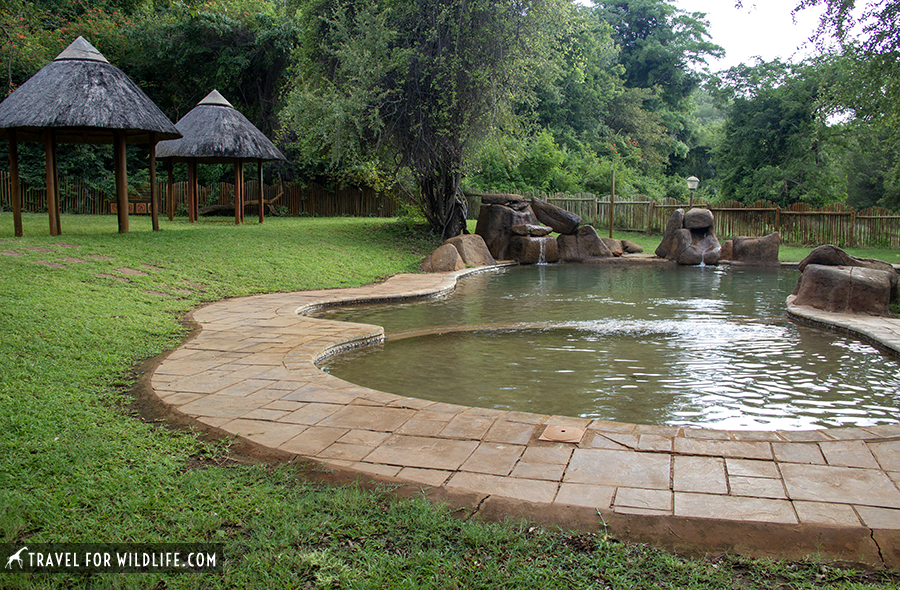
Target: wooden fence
[[799, 225], [289, 198]]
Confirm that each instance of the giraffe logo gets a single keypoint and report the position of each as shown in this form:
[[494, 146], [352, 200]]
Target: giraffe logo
[[17, 556]]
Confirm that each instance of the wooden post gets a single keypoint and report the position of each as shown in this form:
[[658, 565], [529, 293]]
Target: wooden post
[[259, 179], [50, 161], [15, 189], [612, 202], [171, 196], [778, 220], [121, 180], [154, 191], [650, 218], [852, 225], [238, 181], [192, 190]]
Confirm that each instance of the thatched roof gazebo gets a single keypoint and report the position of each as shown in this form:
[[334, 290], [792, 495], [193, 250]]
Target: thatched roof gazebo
[[80, 97], [214, 132]]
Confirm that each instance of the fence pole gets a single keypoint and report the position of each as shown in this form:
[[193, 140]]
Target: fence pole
[[612, 203], [650, 218], [852, 225]]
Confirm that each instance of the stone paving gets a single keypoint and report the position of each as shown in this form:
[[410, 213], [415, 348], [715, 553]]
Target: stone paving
[[251, 372]]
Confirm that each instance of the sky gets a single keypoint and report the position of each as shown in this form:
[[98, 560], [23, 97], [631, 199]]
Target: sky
[[762, 28]]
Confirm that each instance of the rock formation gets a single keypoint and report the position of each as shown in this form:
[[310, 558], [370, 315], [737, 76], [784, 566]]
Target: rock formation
[[583, 244], [829, 255], [689, 238], [752, 251], [844, 289], [457, 253], [445, 258], [498, 215], [557, 218], [472, 249], [533, 250]]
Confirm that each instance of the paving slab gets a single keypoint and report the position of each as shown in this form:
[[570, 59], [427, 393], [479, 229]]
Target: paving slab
[[619, 468], [841, 485], [251, 372]]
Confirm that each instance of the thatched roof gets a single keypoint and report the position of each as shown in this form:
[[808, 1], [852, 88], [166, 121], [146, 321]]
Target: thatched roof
[[84, 99], [216, 132]]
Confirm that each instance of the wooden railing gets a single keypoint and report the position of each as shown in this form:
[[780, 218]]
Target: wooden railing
[[800, 224], [291, 199]]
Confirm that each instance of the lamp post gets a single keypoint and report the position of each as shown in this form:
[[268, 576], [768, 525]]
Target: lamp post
[[693, 182]]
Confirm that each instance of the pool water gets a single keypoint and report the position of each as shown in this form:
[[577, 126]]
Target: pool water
[[693, 346]]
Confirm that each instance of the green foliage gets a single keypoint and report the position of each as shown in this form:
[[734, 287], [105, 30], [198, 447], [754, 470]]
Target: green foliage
[[868, 34], [34, 34], [240, 47], [415, 85], [777, 144], [659, 43]]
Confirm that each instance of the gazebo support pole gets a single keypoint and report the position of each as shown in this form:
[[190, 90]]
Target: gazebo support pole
[[154, 190], [171, 187], [196, 191], [192, 188], [238, 190], [259, 181], [121, 180], [16, 195], [56, 186], [50, 160]]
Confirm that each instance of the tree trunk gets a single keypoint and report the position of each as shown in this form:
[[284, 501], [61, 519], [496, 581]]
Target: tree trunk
[[445, 212]]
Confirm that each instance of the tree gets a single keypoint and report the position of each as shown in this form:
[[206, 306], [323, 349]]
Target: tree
[[415, 84], [180, 53], [776, 143], [659, 44], [869, 34]]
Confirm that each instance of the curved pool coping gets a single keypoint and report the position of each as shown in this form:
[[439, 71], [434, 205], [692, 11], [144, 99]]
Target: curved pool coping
[[250, 372]]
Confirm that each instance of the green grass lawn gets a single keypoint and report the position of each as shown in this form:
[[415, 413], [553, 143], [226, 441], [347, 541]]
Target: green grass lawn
[[79, 312]]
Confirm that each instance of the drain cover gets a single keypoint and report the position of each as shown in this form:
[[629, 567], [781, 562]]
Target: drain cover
[[566, 434]]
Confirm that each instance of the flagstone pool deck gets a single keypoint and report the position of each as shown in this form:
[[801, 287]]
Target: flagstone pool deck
[[250, 371]]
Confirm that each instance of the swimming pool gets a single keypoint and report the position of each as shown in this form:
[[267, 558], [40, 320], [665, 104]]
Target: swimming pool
[[693, 346]]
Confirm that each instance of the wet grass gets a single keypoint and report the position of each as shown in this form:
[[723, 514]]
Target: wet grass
[[80, 311]]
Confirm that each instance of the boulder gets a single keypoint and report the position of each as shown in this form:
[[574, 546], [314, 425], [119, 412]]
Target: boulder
[[615, 246], [516, 202], [495, 224], [698, 219], [827, 255], [833, 256], [445, 258], [679, 241], [557, 218], [755, 251], [533, 250], [690, 245], [675, 223], [472, 250], [530, 230], [727, 250], [844, 289], [584, 243], [630, 247], [704, 248]]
